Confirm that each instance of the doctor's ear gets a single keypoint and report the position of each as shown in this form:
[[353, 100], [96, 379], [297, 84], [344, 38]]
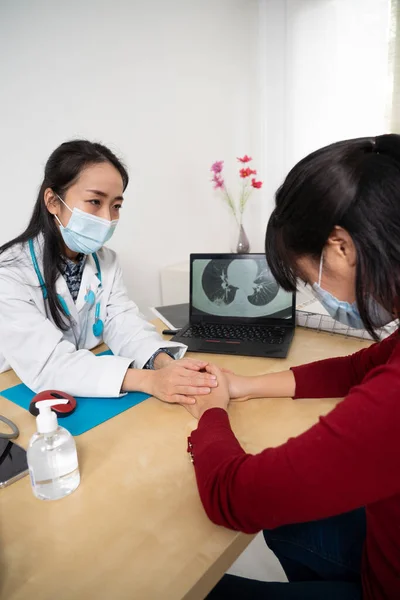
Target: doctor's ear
[[51, 201]]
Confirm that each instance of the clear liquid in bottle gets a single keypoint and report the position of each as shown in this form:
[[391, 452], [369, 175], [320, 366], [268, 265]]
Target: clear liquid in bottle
[[53, 464]]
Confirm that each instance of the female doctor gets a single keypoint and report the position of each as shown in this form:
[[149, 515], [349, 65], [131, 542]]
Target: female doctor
[[62, 293]]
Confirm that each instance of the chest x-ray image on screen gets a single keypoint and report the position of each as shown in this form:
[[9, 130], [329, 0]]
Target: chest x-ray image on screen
[[233, 287]]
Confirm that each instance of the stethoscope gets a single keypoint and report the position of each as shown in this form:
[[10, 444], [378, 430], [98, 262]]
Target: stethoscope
[[90, 297], [14, 429]]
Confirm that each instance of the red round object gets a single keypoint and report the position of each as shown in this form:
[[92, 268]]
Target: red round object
[[62, 410]]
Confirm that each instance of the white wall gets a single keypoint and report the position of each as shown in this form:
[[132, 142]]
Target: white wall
[[171, 85], [325, 77]]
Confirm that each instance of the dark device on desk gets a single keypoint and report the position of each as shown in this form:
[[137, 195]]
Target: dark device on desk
[[13, 463], [237, 307]]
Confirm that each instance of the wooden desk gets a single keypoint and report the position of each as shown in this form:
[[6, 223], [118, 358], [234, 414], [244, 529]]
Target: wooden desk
[[135, 528]]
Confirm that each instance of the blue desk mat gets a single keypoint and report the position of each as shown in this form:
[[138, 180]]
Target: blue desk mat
[[89, 412]]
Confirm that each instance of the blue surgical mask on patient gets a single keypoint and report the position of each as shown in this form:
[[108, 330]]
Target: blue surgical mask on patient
[[85, 233], [347, 313]]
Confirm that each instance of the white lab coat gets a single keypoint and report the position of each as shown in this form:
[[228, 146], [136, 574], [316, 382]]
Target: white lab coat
[[43, 356]]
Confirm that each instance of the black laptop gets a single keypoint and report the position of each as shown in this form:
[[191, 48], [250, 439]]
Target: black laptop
[[237, 307]]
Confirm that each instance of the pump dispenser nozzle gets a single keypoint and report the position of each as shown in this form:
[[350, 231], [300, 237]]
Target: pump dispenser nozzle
[[47, 418]]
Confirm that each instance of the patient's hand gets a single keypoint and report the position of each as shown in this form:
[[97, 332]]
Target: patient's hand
[[217, 398], [238, 385]]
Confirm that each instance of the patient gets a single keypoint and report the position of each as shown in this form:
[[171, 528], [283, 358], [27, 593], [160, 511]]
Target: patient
[[328, 500]]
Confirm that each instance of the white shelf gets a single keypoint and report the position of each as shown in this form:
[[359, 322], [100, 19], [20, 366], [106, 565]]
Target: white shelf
[[175, 284]]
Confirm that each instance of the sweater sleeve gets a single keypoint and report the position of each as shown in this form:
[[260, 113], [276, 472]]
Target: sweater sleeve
[[350, 458], [334, 377]]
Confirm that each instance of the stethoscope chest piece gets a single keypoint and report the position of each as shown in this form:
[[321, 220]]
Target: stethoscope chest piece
[[98, 328]]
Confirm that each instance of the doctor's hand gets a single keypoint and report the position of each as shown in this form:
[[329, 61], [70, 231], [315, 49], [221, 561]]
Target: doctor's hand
[[179, 381], [217, 398]]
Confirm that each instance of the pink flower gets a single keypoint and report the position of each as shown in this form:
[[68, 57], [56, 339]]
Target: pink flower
[[247, 172], [218, 181], [245, 159], [217, 166], [256, 184]]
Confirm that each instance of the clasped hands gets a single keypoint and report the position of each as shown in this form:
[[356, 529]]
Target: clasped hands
[[198, 385]]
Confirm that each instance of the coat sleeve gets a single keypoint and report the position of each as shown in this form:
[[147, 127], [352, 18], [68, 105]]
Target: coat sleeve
[[35, 349], [126, 331]]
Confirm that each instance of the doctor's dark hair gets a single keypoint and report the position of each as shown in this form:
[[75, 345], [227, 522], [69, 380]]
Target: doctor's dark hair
[[354, 184], [61, 171]]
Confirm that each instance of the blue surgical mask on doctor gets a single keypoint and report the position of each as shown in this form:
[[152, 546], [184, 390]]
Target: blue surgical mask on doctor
[[347, 313], [85, 233]]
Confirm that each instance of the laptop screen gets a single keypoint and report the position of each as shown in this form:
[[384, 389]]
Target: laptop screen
[[230, 286]]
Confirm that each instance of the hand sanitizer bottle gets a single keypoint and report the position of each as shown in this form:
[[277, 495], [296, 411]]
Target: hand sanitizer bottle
[[52, 458]]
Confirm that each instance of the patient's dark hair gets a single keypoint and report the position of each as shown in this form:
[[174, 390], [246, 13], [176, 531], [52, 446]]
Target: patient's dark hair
[[354, 184], [61, 171]]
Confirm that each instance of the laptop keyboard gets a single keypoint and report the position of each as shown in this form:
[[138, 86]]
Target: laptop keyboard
[[236, 333]]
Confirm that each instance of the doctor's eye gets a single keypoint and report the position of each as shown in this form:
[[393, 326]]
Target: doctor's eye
[[117, 206], [94, 202]]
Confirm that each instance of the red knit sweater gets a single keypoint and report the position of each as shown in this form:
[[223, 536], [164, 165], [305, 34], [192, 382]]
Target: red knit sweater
[[349, 459]]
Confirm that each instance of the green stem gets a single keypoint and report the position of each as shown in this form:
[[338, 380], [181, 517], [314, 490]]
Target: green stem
[[230, 204], [245, 197], [242, 196]]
